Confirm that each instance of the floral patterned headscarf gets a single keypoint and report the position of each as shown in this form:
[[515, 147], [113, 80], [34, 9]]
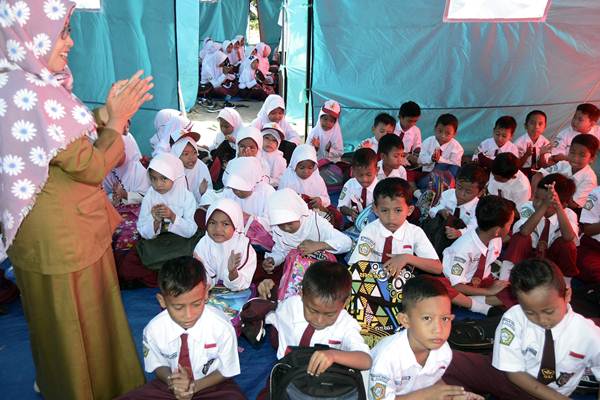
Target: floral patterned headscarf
[[39, 116]]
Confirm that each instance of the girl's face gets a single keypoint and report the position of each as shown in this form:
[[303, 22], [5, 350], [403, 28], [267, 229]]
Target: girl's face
[[290, 227], [269, 143], [276, 115], [305, 169], [327, 122], [229, 48], [226, 127], [242, 194], [188, 156], [159, 182], [219, 227], [535, 125], [247, 148], [254, 65]]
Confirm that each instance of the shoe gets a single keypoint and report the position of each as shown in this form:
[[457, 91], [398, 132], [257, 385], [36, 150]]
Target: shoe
[[228, 104]]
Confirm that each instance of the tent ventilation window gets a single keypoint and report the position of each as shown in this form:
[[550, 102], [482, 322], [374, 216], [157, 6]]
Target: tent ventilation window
[[89, 5], [496, 11]]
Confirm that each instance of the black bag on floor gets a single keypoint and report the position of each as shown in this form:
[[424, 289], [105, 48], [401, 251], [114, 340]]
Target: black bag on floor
[[435, 229], [289, 380], [474, 335]]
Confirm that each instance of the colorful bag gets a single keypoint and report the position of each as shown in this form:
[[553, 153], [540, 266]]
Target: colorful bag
[[294, 268], [230, 302], [333, 176], [257, 234], [126, 234], [365, 217], [376, 299]]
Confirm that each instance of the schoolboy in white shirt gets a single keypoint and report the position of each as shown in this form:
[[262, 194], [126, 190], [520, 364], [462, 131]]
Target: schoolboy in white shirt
[[588, 252], [507, 181], [190, 347], [442, 151], [410, 364], [382, 125], [391, 152], [357, 193], [584, 121], [408, 131], [500, 142], [533, 146]]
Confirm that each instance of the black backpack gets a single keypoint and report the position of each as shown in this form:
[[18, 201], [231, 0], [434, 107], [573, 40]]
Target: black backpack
[[289, 380]]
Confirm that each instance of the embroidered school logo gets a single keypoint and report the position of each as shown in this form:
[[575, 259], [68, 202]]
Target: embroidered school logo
[[589, 205], [563, 378], [378, 391], [526, 213], [457, 269], [343, 194], [364, 249], [506, 336], [146, 350]]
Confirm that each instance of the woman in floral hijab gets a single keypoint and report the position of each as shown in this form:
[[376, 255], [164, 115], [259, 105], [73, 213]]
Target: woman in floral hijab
[[55, 222]]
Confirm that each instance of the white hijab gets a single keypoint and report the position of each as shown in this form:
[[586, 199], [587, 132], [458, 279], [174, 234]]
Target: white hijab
[[172, 128], [312, 186], [234, 119], [211, 66], [195, 175], [285, 206], [254, 134], [326, 136], [247, 74], [272, 102], [263, 59], [131, 173], [171, 167]]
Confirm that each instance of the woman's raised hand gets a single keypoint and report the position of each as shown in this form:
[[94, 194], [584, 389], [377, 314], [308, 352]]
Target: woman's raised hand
[[125, 98]]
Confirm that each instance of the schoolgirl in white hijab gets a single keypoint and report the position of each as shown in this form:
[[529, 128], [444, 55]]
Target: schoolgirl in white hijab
[[170, 131], [249, 144], [230, 122], [225, 251], [273, 110], [294, 226], [168, 204], [248, 73], [302, 176], [272, 136], [131, 176], [196, 172], [263, 51], [243, 184], [239, 44], [212, 70], [327, 137]]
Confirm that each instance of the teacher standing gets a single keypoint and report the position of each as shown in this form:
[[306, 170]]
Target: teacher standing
[[56, 222]]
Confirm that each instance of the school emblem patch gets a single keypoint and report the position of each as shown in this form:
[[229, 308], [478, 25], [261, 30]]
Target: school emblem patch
[[506, 336], [364, 249], [145, 350], [378, 391], [563, 378], [589, 205], [526, 213], [456, 269]]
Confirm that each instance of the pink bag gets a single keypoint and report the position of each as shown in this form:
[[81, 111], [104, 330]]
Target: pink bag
[[126, 234], [294, 268], [257, 233]]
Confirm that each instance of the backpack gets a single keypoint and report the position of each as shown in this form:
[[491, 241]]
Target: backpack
[[474, 335], [290, 381], [294, 268], [375, 300]]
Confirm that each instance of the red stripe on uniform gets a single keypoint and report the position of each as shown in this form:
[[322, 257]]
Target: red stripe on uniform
[[576, 355], [210, 345]]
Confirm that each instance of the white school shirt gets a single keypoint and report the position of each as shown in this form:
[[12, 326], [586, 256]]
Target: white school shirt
[[370, 143], [333, 137], [590, 213], [585, 179], [461, 259], [184, 224], [277, 165], [411, 139], [525, 141], [408, 239], [289, 320], [211, 341], [489, 148], [452, 153], [526, 210], [467, 211], [517, 189], [519, 345], [395, 369], [562, 142], [313, 227], [350, 195], [399, 172]]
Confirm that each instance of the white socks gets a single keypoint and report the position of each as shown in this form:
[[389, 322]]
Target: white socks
[[505, 269], [478, 305]]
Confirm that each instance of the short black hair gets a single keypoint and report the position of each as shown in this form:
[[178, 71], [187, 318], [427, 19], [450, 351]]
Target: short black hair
[[506, 122], [388, 143], [421, 288], [530, 114], [493, 211], [564, 187], [590, 110], [364, 157], [588, 141], [505, 165], [327, 280], [180, 275], [392, 187], [447, 119], [474, 173], [536, 272], [409, 109], [385, 119]]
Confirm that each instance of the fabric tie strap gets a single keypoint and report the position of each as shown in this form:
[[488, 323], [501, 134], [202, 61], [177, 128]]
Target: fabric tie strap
[[547, 372], [184, 356], [307, 336], [363, 197], [387, 249]]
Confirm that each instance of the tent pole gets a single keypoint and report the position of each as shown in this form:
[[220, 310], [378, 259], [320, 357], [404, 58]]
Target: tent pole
[[308, 90], [176, 54]]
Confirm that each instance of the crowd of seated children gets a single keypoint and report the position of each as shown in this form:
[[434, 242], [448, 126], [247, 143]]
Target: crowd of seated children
[[383, 124], [499, 143]]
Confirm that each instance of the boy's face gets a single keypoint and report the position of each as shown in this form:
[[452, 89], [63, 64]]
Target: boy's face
[[247, 148], [428, 322], [187, 308], [276, 115], [503, 231], [392, 212], [408, 122], [544, 306], [269, 143], [581, 122], [466, 191], [188, 156], [579, 157], [327, 122], [393, 159], [159, 182], [539, 197], [382, 129], [535, 126], [502, 136], [290, 227], [304, 169], [226, 127], [444, 133], [319, 312], [365, 175], [219, 227]]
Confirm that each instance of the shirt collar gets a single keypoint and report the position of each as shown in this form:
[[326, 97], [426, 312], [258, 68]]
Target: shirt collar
[[480, 245]]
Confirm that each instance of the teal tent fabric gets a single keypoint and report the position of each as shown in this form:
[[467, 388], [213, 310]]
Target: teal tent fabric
[[223, 20], [268, 17]]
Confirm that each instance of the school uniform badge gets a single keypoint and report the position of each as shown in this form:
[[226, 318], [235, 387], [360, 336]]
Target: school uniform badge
[[506, 336], [563, 378], [378, 391], [364, 249], [457, 269], [145, 350], [588, 205]]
